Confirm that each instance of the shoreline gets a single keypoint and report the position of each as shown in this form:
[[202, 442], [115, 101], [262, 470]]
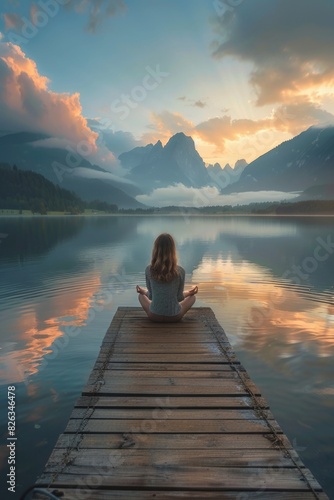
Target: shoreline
[[183, 215]]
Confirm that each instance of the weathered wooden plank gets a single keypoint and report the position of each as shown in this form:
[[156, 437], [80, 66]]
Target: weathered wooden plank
[[172, 337], [138, 310], [201, 331], [262, 494], [177, 441], [160, 348], [142, 322], [230, 383], [144, 458], [203, 478], [151, 334], [171, 413], [167, 367], [187, 342], [193, 316], [164, 358], [151, 376], [170, 402], [193, 312], [111, 384], [165, 390], [146, 326], [187, 323], [225, 349], [172, 426]]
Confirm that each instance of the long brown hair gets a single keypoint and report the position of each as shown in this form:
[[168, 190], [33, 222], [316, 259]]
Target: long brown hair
[[164, 258]]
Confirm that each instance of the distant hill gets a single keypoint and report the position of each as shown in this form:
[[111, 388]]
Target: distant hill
[[95, 189], [23, 150], [322, 192], [24, 190], [156, 165], [294, 165]]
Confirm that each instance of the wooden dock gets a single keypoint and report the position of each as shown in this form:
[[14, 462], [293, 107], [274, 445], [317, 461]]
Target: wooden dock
[[169, 412]]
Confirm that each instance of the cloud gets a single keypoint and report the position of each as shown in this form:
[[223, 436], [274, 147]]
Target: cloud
[[116, 141], [119, 141], [104, 176], [98, 11], [218, 130], [290, 45], [165, 124], [192, 102], [12, 21], [200, 104], [293, 118], [27, 104], [102, 156], [180, 195]]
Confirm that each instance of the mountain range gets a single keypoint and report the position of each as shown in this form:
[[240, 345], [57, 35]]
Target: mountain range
[[155, 165], [303, 164]]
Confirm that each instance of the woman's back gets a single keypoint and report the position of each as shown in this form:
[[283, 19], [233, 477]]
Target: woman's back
[[165, 300], [165, 296]]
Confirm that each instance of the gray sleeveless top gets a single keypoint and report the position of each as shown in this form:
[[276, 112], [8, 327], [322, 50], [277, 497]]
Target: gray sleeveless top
[[165, 296]]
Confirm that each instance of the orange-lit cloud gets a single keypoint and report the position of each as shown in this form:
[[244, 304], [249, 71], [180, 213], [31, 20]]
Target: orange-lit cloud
[[165, 124], [27, 104], [218, 130]]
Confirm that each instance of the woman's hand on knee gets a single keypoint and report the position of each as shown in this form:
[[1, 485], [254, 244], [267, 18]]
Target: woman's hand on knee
[[193, 290], [140, 290]]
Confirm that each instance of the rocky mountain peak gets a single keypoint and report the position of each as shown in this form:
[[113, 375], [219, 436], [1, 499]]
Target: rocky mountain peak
[[177, 162]]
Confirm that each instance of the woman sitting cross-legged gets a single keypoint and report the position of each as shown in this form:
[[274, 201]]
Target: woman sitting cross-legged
[[164, 300]]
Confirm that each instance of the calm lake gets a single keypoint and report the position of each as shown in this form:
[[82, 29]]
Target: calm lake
[[269, 280]]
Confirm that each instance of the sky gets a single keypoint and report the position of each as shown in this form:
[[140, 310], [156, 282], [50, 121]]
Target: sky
[[239, 76]]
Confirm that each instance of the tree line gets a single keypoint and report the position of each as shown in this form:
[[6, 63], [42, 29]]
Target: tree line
[[26, 190], [311, 207]]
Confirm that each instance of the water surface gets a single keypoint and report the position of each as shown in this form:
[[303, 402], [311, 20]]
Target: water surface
[[269, 281]]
